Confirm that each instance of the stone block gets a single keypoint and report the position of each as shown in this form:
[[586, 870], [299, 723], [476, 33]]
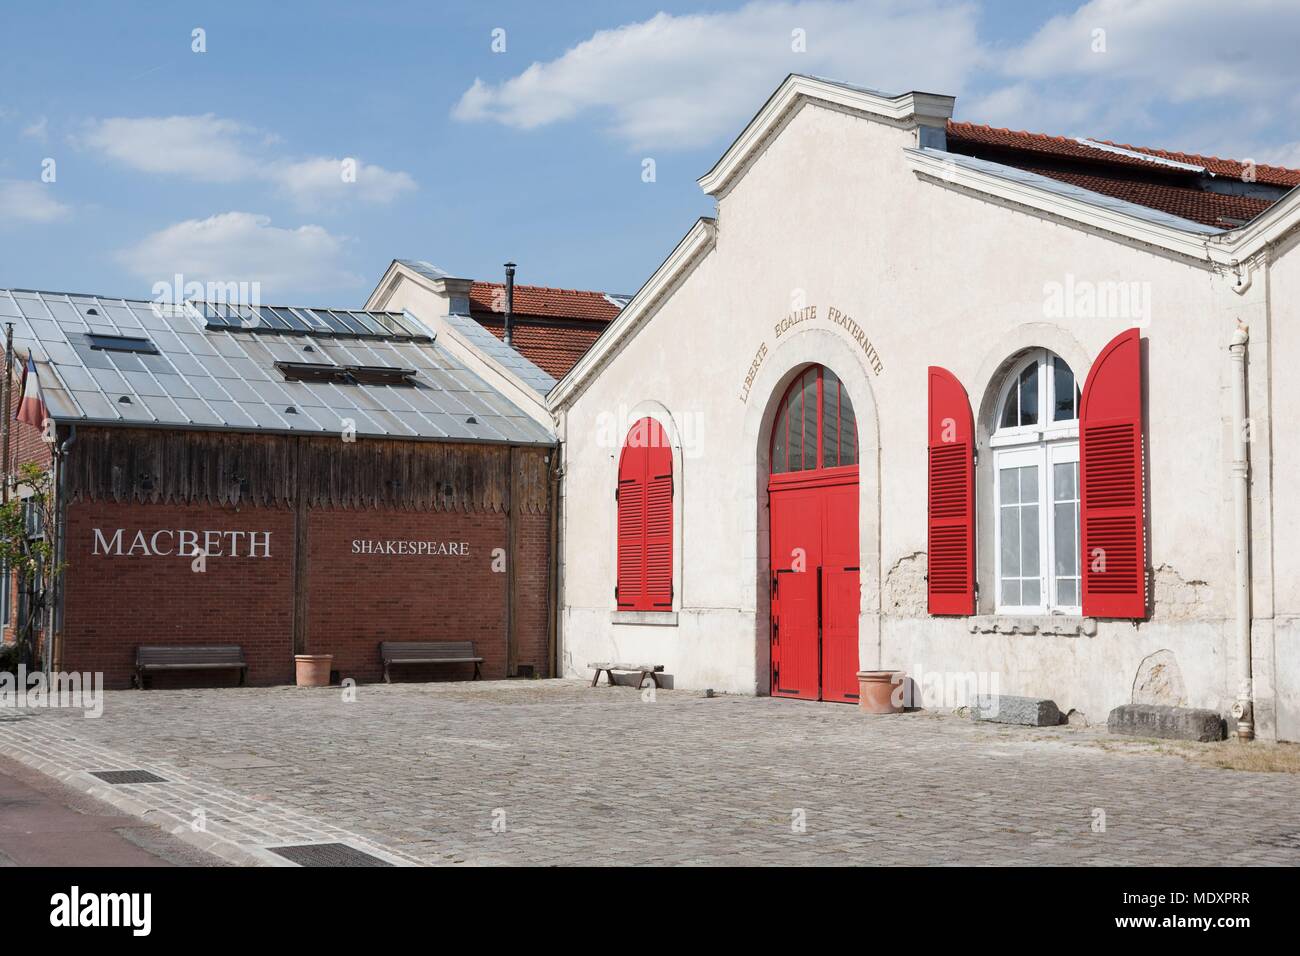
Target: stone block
[[1165, 722], [1026, 711]]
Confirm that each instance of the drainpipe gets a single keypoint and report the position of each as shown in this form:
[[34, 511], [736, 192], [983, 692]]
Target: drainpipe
[[1239, 471], [510, 299]]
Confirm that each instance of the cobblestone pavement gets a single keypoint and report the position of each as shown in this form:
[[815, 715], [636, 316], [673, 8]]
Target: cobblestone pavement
[[554, 772]]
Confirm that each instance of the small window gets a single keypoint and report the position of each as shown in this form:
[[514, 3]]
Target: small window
[[815, 426], [1036, 479], [120, 343]]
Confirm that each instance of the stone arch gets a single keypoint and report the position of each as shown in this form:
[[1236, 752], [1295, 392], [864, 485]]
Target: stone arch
[[794, 352]]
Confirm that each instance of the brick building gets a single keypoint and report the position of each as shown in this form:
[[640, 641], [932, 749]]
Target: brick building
[[552, 328], [290, 480]]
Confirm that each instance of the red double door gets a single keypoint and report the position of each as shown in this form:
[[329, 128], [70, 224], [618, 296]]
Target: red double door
[[814, 586]]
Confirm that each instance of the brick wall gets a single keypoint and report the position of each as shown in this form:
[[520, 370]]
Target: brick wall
[[114, 603], [532, 585], [353, 600]]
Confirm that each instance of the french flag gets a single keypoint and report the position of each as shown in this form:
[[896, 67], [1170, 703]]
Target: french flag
[[31, 407]]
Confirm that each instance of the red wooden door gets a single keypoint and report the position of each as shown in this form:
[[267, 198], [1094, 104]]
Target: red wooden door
[[840, 593], [813, 497], [815, 596], [794, 638], [796, 556]]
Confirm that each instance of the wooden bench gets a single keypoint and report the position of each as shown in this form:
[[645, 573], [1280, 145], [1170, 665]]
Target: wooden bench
[[428, 652], [645, 670], [205, 658]]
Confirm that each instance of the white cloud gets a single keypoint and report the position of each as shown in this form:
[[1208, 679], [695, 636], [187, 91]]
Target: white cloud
[[28, 201], [38, 130], [209, 148], [1181, 50], [1117, 68], [680, 81], [313, 181], [206, 148], [243, 247], [1178, 73]]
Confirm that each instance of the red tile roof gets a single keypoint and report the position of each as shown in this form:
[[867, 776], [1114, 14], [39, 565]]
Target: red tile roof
[[1069, 147], [554, 349], [542, 301], [1212, 209], [1131, 178]]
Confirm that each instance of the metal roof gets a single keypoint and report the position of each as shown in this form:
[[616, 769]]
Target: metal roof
[[1069, 191], [426, 268], [504, 355], [222, 373]]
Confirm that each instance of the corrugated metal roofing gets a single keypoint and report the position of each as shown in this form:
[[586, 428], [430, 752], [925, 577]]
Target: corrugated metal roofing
[[487, 343], [224, 376]]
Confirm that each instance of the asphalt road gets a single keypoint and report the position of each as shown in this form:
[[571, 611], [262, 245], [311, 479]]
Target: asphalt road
[[44, 823]]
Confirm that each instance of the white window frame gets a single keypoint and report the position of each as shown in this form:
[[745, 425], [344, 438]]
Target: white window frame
[[1043, 445]]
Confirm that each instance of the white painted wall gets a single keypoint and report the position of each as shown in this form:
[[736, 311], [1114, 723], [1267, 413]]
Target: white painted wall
[[830, 215]]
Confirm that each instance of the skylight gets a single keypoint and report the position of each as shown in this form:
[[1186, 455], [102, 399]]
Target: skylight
[[120, 343], [346, 374], [340, 323]]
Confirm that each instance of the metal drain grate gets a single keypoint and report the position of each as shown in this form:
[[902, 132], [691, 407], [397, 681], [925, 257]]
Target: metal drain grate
[[127, 776], [327, 854]]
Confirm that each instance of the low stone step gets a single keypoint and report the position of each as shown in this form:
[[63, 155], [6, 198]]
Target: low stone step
[[1165, 722], [1006, 709]]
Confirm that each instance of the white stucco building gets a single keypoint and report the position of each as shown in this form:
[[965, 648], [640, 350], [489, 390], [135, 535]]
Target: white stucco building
[[806, 356]]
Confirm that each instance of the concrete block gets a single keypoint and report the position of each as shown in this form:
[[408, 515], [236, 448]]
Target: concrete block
[[1165, 722], [1026, 711]]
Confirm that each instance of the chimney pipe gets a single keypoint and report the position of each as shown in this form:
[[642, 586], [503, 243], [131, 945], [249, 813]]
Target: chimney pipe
[[510, 299]]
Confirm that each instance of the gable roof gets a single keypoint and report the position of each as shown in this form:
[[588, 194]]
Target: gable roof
[[905, 109], [114, 361]]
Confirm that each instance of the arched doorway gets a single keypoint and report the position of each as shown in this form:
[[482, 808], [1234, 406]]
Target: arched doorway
[[813, 496]]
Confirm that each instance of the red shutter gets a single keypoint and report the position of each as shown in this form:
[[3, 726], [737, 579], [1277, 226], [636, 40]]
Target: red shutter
[[659, 523], [630, 589], [952, 496], [1112, 516], [645, 520]]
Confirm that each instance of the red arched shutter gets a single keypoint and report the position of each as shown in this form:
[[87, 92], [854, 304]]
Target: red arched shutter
[[645, 520], [659, 522], [629, 591], [952, 496], [1112, 515]]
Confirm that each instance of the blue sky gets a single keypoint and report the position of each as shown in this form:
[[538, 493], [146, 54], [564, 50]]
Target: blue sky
[[228, 165]]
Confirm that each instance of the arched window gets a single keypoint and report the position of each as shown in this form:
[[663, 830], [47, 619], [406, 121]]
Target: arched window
[[1036, 474], [815, 426], [645, 520]]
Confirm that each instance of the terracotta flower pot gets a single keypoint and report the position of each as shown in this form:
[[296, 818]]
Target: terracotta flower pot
[[313, 669], [880, 692]]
